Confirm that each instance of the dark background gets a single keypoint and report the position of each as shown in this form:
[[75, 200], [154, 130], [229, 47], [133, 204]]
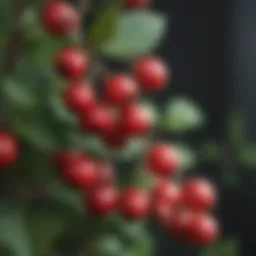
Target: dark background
[[211, 47]]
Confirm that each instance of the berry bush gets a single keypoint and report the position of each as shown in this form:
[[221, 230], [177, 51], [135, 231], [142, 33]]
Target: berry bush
[[84, 163]]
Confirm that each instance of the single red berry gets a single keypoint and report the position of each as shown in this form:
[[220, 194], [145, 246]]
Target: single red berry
[[167, 192], [99, 119], [134, 204], [9, 149], [63, 158], [102, 200], [83, 174], [136, 120], [151, 74], [80, 97], [179, 223], [202, 230], [120, 89], [106, 173], [162, 212], [137, 4], [60, 19], [162, 160], [199, 194], [72, 63], [116, 139]]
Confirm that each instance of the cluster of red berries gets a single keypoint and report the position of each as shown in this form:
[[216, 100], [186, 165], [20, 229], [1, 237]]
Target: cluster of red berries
[[116, 117], [182, 210]]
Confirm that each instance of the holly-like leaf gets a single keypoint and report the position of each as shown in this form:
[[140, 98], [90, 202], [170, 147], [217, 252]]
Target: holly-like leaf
[[13, 233], [138, 33], [104, 27]]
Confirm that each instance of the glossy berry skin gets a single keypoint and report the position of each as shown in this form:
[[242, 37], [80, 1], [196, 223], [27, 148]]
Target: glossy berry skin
[[136, 120], [178, 227], [167, 192], [151, 74], [137, 4], [116, 139], [82, 174], [9, 149], [98, 120], [63, 158], [106, 173], [80, 97], [199, 194], [134, 204], [162, 160], [102, 200], [162, 212], [60, 19], [120, 90], [202, 230], [72, 63]]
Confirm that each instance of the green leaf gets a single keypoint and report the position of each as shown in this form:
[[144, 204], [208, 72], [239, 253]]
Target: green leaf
[[247, 156], [106, 246], [36, 130], [45, 227], [13, 233], [19, 95], [229, 247], [183, 115], [143, 179], [105, 26], [143, 246], [187, 156], [236, 130], [138, 33]]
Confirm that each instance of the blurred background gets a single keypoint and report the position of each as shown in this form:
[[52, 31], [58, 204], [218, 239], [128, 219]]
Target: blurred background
[[210, 46]]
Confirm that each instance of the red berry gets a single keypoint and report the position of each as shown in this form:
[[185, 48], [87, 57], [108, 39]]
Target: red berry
[[99, 120], [83, 174], [102, 200], [80, 97], [60, 19], [72, 63], [162, 211], [116, 139], [135, 4], [151, 74], [136, 120], [199, 194], [134, 204], [179, 223], [120, 89], [9, 149], [63, 158], [202, 230], [106, 173], [162, 160], [167, 192]]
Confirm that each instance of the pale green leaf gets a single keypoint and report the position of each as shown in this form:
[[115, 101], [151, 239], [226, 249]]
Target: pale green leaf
[[138, 33], [183, 115]]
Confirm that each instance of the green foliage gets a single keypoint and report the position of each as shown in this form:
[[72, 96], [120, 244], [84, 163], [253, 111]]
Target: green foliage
[[14, 235], [138, 33], [105, 26], [247, 156], [229, 247], [182, 115]]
